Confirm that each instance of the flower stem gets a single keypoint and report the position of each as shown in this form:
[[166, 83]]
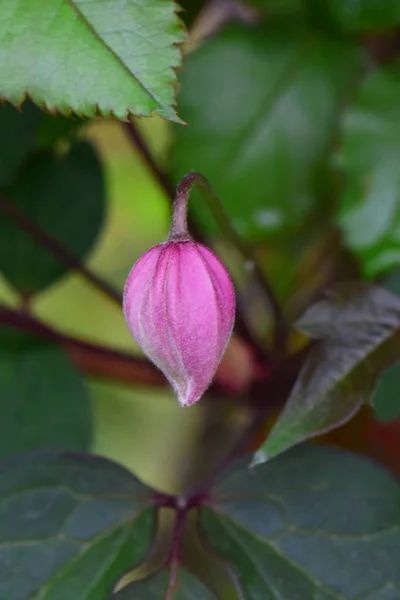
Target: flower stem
[[179, 231], [179, 224]]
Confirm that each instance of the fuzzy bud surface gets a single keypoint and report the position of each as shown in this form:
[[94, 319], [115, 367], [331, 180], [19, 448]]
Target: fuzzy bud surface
[[179, 304]]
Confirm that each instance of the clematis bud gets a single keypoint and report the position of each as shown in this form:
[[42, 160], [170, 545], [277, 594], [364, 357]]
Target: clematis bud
[[179, 304]]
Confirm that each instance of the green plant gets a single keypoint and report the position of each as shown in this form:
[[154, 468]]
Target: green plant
[[292, 113]]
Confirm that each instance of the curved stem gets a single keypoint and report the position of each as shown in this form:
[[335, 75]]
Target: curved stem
[[179, 230], [179, 224]]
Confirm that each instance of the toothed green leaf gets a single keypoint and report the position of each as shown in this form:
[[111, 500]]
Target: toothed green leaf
[[114, 57]]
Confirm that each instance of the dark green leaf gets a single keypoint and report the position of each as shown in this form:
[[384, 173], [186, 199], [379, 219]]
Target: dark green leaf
[[316, 523], [262, 131], [279, 7], [55, 128], [22, 130], [43, 399], [386, 398], [17, 130], [359, 329], [70, 525], [347, 15], [191, 10], [159, 587], [370, 207], [64, 195], [391, 282], [364, 15], [121, 61]]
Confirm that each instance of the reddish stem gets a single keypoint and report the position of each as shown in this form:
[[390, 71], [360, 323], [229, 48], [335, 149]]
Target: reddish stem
[[179, 225], [92, 359], [63, 254], [173, 559], [145, 153]]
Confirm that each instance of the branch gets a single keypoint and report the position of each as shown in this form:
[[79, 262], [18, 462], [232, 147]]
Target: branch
[[63, 254], [91, 359], [139, 143], [98, 361], [173, 559]]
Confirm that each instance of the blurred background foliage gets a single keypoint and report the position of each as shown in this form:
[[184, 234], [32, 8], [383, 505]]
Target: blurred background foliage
[[130, 425], [293, 113]]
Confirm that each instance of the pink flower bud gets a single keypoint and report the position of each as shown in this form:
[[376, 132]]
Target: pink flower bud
[[179, 304]]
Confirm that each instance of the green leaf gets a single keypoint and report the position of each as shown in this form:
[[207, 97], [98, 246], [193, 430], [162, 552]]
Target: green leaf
[[386, 398], [161, 586], [70, 525], [274, 8], [369, 213], [364, 15], [263, 130], [122, 60], [359, 329], [391, 282], [191, 9], [44, 401], [17, 132], [23, 130], [316, 523], [64, 196], [53, 128], [348, 15]]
